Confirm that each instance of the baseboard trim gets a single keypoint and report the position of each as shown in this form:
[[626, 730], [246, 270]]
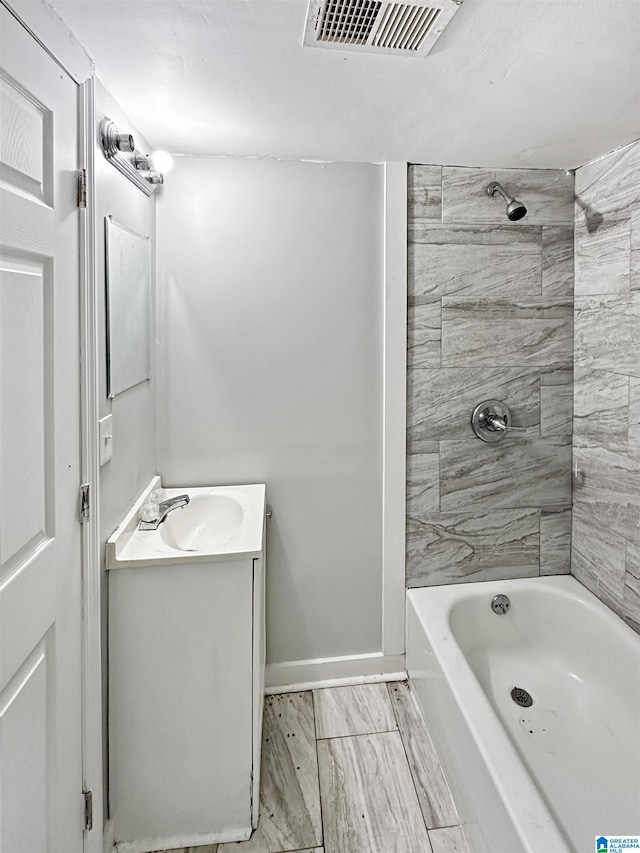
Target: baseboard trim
[[148, 845], [299, 675], [108, 837]]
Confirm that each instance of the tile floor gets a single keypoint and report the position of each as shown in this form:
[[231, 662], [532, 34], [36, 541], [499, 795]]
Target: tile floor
[[349, 770]]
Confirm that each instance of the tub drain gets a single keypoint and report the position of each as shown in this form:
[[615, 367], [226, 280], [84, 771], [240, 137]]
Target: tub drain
[[521, 697]]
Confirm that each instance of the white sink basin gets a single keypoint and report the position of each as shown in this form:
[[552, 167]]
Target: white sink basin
[[207, 522], [219, 522]]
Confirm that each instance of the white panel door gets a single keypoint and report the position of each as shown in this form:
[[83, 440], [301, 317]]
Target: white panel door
[[40, 568]]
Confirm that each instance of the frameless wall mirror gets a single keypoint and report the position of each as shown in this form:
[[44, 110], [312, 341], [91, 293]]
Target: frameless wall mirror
[[128, 283]]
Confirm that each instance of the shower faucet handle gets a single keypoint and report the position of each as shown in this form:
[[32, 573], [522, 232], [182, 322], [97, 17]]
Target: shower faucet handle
[[494, 421], [491, 421]]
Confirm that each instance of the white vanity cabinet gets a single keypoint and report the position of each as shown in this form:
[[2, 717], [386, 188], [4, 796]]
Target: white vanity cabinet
[[186, 688]]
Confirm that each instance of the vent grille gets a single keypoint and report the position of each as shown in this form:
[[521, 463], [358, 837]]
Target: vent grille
[[378, 26], [348, 21], [405, 27]]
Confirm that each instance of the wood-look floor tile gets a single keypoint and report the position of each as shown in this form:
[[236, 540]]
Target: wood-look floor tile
[[369, 803], [359, 710], [449, 840], [431, 786], [289, 795], [206, 848]]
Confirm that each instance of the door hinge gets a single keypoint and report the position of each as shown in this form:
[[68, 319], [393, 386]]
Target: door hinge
[[82, 187], [85, 508], [88, 811]]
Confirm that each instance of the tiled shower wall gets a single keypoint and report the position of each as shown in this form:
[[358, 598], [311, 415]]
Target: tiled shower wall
[[490, 317], [606, 523]]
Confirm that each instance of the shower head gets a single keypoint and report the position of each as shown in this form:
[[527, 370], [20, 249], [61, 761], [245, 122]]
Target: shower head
[[515, 209]]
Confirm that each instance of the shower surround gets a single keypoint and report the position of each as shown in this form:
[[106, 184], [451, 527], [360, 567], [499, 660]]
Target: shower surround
[[490, 317], [606, 522]]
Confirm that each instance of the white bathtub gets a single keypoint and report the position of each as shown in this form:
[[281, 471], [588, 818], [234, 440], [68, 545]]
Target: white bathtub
[[544, 779]]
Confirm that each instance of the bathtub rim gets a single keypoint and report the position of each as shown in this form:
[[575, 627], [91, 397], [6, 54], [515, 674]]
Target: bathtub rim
[[531, 818]]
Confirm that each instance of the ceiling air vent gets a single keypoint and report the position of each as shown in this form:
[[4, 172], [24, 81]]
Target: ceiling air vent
[[376, 26]]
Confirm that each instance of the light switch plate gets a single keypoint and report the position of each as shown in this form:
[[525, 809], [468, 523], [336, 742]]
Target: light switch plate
[[106, 439]]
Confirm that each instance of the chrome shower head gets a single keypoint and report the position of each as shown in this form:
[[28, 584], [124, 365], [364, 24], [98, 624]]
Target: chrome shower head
[[515, 209]]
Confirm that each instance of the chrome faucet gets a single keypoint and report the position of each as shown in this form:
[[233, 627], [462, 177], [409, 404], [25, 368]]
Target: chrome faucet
[[164, 508], [491, 421]]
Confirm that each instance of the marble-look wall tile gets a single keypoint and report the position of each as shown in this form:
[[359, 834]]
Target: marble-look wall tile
[[424, 324], [555, 541], [393, 819], [608, 186], [556, 409], [634, 260], [601, 416], [423, 483], [556, 374], [494, 333], [440, 402], [482, 545], [511, 473], [608, 485], [490, 317], [634, 418], [354, 710], [631, 598], [504, 234], [424, 189], [603, 258], [598, 557], [547, 194], [486, 262], [607, 333], [433, 792], [557, 262], [606, 529]]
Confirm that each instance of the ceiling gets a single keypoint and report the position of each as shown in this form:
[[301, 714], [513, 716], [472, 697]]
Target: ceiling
[[538, 83]]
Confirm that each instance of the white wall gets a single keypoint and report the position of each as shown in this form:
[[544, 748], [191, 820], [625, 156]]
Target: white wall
[[270, 302], [134, 411]]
